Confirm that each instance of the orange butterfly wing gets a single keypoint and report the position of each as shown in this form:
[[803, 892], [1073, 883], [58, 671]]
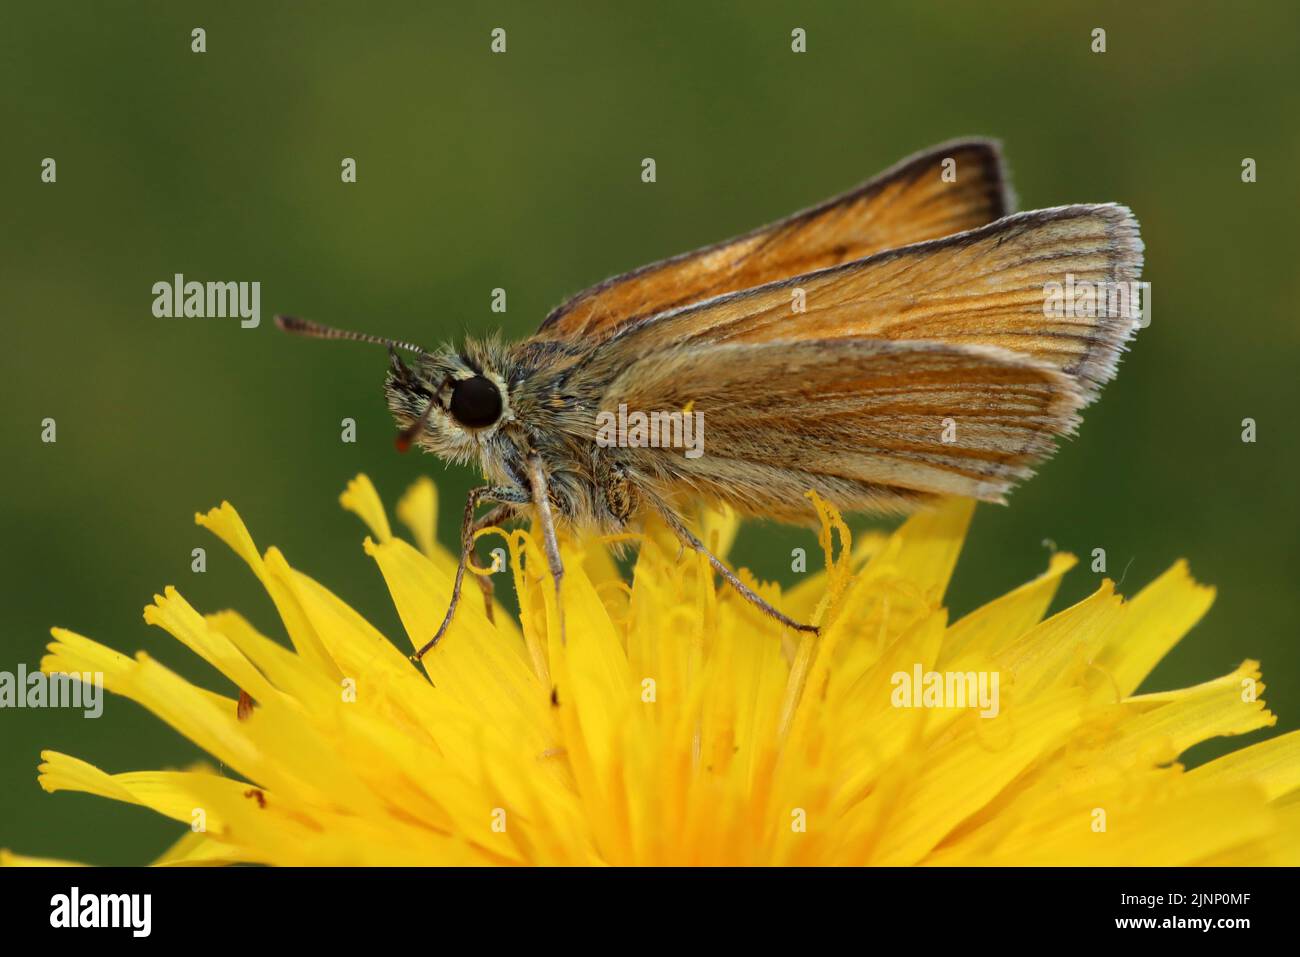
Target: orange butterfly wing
[[985, 287], [911, 202], [930, 369], [870, 425]]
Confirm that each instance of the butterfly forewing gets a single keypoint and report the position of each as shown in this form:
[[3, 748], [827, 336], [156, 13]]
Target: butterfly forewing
[[987, 286], [945, 190]]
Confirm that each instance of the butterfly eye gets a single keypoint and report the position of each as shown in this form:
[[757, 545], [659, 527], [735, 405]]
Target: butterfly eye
[[476, 402]]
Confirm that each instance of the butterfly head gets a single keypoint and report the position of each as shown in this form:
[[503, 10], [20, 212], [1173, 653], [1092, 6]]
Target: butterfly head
[[449, 403]]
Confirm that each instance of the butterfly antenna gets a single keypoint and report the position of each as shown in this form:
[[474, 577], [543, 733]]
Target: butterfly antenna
[[314, 330]]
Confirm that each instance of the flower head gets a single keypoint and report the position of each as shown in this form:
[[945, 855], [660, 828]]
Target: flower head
[[677, 725]]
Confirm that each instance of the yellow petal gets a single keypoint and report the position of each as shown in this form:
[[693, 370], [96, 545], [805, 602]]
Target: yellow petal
[[225, 523], [1273, 766], [1159, 616], [10, 859], [993, 625], [418, 510], [361, 499]]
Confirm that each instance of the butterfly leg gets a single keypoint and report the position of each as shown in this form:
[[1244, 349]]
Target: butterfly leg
[[502, 513], [689, 540], [542, 499], [485, 493]]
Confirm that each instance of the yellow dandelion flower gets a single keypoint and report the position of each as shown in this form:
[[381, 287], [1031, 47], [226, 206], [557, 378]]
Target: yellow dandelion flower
[[676, 725]]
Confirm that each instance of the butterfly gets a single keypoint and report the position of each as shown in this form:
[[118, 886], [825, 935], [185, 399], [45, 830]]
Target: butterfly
[[894, 344]]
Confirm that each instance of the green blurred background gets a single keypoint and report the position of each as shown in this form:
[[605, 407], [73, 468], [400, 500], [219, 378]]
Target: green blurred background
[[522, 171]]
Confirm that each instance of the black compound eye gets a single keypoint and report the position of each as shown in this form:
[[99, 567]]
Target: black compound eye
[[476, 402]]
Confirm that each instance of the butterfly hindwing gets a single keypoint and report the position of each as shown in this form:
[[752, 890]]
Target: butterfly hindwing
[[869, 425]]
